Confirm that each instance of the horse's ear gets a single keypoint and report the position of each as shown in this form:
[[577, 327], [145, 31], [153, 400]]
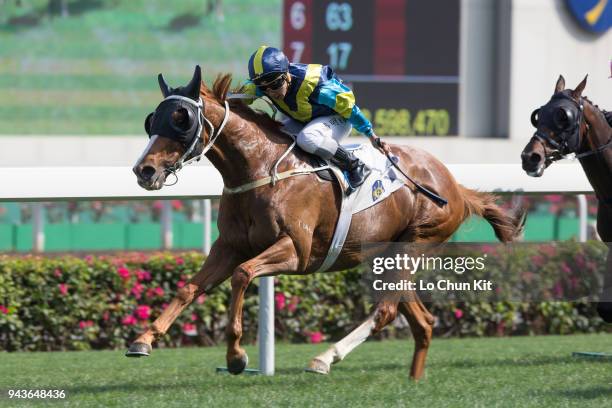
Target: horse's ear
[[560, 84], [165, 89], [193, 88], [577, 93]]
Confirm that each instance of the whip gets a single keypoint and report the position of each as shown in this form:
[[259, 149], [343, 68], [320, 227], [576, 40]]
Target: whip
[[440, 202]]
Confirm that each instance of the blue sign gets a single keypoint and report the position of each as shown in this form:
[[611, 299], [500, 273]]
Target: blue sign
[[593, 15]]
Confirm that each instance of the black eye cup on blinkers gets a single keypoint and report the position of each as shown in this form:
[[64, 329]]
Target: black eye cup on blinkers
[[563, 118], [535, 117], [147, 123]]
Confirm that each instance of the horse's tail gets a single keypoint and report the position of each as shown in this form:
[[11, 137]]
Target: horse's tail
[[507, 225]]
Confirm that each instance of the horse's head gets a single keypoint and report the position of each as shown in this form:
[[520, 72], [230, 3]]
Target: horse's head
[[174, 130], [559, 129]]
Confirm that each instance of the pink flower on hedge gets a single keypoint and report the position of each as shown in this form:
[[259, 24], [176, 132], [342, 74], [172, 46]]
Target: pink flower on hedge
[[293, 304], [137, 290], [488, 249], [180, 261], [558, 290], [3, 309], [89, 259], [143, 275], [58, 273], [180, 284], [143, 312], [566, 269], [83, 324], [194, 317], [165, 306], [580, 261], [458, 313], [159, 291], [554, 198], [280, 300], [123, 272], [106, 316], [538, 260], [63, 288], [201, 299], [189, 329], [129, 320], [315, 337]]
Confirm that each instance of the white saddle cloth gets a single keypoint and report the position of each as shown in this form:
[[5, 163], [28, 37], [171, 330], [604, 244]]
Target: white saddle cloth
[[379, 185]]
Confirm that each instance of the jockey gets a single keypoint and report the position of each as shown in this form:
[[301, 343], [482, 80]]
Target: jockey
[[318, 102]]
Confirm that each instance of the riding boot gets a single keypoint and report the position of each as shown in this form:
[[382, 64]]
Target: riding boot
[[355, 169]]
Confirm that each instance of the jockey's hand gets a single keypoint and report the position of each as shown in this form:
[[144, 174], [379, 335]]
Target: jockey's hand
[[378, 143]]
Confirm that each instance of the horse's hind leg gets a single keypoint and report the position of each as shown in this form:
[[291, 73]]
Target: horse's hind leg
[[421, 323], [384, 314]]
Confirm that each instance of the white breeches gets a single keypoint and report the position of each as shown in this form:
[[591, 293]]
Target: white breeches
[[320, 136]]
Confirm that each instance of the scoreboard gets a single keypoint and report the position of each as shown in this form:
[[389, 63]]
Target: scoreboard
[[400, 57]]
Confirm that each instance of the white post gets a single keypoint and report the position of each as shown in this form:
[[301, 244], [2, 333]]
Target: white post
[[582, 214], [166, 220], [38, 227], [266, 325], [206, 220]]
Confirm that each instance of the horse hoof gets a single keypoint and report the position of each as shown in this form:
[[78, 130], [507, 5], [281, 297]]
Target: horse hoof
[[238, 364], [139, 350], [318, 367], [604, 309]]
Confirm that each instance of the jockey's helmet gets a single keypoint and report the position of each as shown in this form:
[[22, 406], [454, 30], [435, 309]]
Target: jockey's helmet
[[267, 63]]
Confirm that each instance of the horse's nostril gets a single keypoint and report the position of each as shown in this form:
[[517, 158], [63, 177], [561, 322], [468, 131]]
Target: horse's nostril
[[535, 158], [147, 172]]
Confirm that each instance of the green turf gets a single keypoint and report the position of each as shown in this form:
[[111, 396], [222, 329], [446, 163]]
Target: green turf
[[93, 72], [520, 371]]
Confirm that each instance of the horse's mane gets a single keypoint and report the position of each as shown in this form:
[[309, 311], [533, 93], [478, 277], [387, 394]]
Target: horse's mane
[[220, 89], [607, 115]]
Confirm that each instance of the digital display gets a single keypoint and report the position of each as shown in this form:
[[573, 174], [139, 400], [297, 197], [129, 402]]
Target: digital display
[[401, 57]]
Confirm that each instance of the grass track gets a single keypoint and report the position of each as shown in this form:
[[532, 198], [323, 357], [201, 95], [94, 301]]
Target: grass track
[[525, 371]]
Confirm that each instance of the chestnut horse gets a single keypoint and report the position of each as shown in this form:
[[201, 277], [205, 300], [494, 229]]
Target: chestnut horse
[[286, 228], [570, 123]]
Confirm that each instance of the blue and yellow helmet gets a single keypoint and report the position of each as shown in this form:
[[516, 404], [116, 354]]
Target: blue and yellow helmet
[[265, 61]]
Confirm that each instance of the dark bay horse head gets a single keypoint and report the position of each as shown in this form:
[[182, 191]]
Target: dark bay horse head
[[175, 133], [560, 129]]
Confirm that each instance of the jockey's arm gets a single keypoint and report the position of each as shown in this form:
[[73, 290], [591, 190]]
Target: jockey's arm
[[249, 88], [341, 99]]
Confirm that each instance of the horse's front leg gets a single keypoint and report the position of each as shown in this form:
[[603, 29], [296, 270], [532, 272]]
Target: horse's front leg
[[218, 267], [278, 258]]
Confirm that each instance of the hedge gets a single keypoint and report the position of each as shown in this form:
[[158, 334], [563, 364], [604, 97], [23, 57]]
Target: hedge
[[101, 302]]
